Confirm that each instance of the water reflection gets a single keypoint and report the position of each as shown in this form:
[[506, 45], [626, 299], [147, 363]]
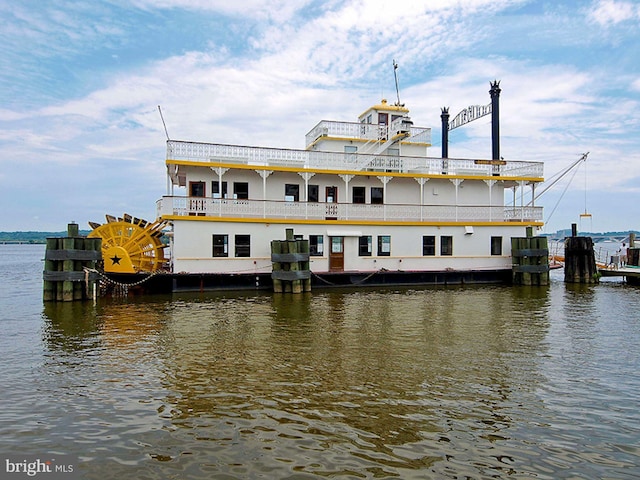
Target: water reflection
[[381, 381], [430, 383]]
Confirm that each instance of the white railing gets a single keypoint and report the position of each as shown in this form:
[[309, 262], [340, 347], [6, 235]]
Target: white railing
[[304, 159], [213, 207], [366, 131]]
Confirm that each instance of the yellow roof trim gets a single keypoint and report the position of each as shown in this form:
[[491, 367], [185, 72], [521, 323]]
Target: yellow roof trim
[[384, 106], [369, 173]]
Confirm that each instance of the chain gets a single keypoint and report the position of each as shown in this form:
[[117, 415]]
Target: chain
[[355, 283], [120, 284]]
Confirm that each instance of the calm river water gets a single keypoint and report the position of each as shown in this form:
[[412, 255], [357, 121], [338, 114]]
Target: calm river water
[[452, 382]]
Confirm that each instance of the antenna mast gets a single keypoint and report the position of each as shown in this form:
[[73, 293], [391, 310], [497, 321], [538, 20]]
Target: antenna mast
[[395, 75], [164, 124]]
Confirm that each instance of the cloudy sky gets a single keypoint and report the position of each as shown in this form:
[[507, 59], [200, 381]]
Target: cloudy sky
[[81, 81]]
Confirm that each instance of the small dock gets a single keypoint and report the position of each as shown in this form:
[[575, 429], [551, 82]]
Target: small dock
[[628, 271]]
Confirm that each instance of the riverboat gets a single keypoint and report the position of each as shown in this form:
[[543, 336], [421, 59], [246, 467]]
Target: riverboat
[[374, 207]]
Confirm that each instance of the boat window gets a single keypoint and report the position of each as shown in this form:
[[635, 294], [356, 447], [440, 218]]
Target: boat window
[[496, 245], [359, 194], [292, 192], [243, 245], [336, 244], [196, 189], [313, 193], [428, 245], [446, 245], [215, 189], [316, 245], [364, 246], [240, 190], [384, 245], [350, 153], [332, 194], [377, 195], [221, 245]]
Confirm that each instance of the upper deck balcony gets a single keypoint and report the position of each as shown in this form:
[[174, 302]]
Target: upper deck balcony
[[170, 206], [368, 132], [306, 160]]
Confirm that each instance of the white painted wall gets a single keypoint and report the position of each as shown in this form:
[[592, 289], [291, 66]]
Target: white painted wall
[[193, 247]]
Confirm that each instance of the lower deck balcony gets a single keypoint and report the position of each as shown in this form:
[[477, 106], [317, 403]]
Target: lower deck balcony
[[351, 212]]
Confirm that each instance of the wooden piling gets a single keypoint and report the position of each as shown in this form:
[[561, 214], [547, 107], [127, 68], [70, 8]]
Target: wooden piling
[[290, 260], [530, 257], [633, 253], [70, 267], [276, 250], [579, 259], [305, 265], [296, 285], [49, 287]]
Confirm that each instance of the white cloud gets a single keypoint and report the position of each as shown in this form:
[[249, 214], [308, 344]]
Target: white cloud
[[613, 12]]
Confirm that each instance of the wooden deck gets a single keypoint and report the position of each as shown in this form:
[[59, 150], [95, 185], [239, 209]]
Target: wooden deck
[[628, 271]]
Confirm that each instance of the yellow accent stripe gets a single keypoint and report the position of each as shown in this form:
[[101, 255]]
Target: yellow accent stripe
[[345, 222], [190, 163], [384, 108]]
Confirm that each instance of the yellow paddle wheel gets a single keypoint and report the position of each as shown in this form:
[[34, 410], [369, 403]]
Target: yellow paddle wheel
[[130, 245]]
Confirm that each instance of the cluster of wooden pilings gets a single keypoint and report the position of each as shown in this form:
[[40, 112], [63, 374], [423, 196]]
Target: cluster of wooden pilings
[[290, 259], [530, 257], [579, 259], [70, 267]]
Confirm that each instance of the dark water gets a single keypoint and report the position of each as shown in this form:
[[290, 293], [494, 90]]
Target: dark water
[[472, 382]]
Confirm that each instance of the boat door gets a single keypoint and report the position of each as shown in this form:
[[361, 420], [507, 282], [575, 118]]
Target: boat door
[[336, 254], [331, 196]]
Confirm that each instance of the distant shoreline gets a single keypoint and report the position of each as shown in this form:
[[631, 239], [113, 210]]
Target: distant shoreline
[[17, 238]]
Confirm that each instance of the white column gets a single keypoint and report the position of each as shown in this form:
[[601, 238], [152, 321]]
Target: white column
[[264, 174], [490, 183], [307, 176], [384, 181], [421, 181], [220, 171], [457, 182], [522, 184], [533, 194], [347, 179]]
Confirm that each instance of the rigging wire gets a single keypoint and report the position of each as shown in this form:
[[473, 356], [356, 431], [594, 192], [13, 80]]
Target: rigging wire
[[164, 124], [561, 174], [556, 177], [559, 199], [586, 215], [585, 188]]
